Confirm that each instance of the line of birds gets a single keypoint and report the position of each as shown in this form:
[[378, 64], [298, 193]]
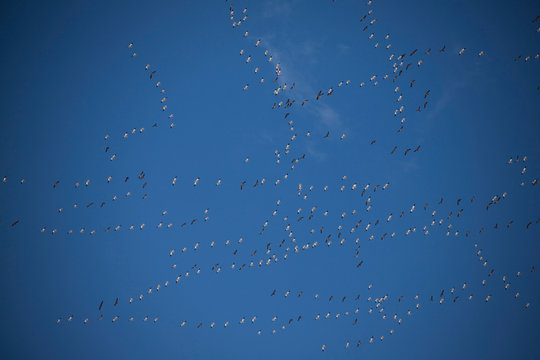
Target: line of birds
[[216, 266]]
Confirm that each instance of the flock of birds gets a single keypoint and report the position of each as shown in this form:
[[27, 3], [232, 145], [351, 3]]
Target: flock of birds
[[305, 224]]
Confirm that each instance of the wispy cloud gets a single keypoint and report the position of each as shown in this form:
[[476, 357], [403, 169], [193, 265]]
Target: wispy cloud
[[275, 8], [342, 49], [296, 58], [328, 116], [410, 165], [446, 98], [315, 153]]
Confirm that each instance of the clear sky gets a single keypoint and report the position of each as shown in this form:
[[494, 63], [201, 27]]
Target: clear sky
[[70, 79]]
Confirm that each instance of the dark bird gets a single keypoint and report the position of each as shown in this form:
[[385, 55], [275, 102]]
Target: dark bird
[[152, 74]]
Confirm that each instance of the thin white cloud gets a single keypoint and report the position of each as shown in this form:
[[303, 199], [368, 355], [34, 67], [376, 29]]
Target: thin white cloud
[[277, 8], [446, 98], [315, 153], [328, 117]]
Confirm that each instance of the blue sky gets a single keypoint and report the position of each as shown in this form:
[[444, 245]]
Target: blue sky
[[70, 79]]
